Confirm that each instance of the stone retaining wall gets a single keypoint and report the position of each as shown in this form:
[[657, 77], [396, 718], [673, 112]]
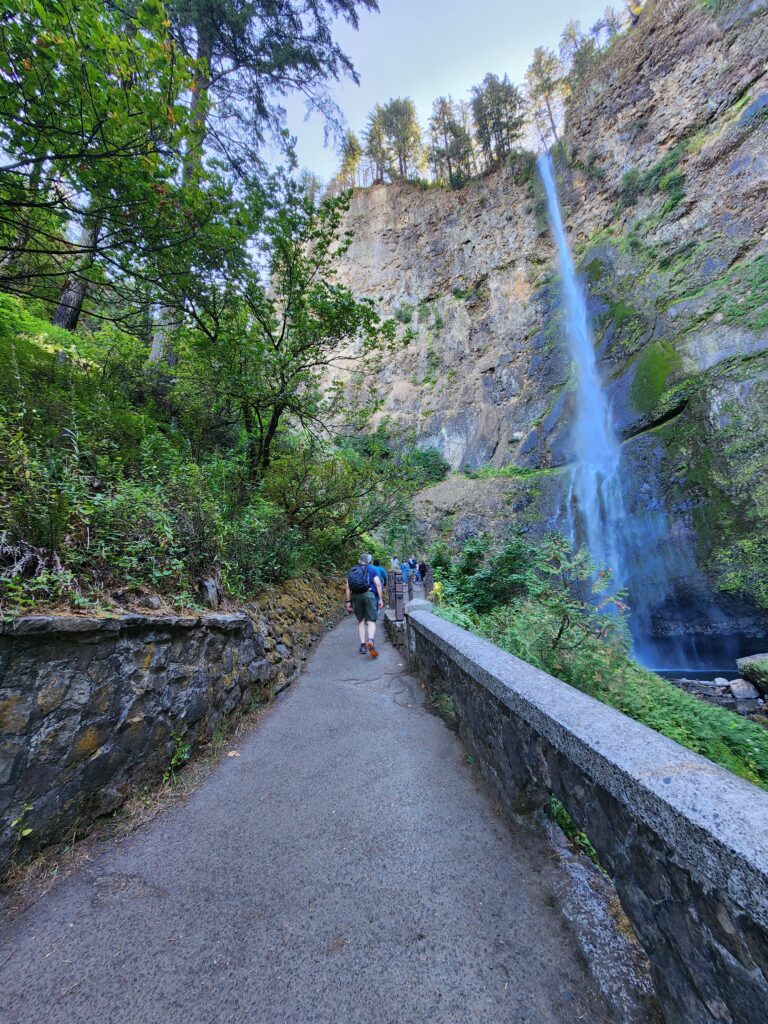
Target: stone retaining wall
[[91, 707], [685, 842]]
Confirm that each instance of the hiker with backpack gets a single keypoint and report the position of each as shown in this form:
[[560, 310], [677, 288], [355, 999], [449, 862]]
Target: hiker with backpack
[[365, 598]]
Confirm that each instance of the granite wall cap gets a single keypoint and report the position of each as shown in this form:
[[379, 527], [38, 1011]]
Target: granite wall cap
[[40, 626]]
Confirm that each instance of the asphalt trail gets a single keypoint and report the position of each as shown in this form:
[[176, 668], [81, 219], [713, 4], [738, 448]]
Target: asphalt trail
[[347, 868]]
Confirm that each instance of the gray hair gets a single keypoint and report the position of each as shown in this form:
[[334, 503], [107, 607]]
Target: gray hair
[[364, 559]]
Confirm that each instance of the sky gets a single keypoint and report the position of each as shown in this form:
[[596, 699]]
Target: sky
[[429, 48]]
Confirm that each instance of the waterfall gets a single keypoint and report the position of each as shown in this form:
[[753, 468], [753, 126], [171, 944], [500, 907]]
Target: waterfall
[[595, 506], [646, 557]]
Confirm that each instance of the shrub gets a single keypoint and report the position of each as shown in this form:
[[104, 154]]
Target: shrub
[[429, 466]]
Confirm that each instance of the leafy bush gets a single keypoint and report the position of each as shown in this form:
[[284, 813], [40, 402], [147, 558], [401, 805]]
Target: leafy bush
[[259, 548], [429, 466], [105, 481]]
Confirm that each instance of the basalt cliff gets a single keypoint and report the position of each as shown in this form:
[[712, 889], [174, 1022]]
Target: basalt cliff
[[664, 184]]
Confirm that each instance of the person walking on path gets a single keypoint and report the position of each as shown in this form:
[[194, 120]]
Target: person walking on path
[[383, 575], [405, 569], [365, 598], [395, 564], [380, 571], [423, 571]]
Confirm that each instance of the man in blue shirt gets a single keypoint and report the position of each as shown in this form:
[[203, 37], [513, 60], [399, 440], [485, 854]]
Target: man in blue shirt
[[365, 603], [380, 571]]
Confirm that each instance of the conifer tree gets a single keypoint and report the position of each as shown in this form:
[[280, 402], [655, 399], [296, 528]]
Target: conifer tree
[[497, 110], [376, 144], [450, 151], [544, 86], [400, 125], [351, 155]]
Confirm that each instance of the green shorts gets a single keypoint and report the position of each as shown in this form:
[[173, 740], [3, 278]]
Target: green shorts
[[365, 606]]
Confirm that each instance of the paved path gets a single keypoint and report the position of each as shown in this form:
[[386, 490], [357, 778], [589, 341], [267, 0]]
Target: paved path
[[347, 868]]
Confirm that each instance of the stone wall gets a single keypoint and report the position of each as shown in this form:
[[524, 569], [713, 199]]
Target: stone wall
[[91, 707], [685, 842]]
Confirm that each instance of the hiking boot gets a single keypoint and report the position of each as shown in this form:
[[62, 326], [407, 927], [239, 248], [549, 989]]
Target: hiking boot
[[372, 650], [363, 649]]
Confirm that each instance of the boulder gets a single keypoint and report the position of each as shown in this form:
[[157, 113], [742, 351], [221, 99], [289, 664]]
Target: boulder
[[743, 690], [208, 593], [755, 670], [747, 702]]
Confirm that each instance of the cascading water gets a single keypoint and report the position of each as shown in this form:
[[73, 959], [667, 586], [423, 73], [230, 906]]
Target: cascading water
[[643, 554], [595, 505]]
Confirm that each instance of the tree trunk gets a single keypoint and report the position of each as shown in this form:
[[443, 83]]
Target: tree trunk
[[192, 161], [202, 83], [252, 451], [73, 294], [551, 118], [265, 456], [15, 251]]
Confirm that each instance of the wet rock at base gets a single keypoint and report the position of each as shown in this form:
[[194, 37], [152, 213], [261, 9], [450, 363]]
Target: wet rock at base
[[746, 695], [743, 690], [755, 670]]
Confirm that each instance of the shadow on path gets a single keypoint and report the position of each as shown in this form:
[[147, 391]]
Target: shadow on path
[[347, 868]]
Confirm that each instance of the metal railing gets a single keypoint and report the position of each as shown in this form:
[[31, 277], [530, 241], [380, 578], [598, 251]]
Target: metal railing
[[398, 603], [399, 592]]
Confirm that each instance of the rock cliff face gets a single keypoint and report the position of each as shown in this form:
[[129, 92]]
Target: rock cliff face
[[665, 194]]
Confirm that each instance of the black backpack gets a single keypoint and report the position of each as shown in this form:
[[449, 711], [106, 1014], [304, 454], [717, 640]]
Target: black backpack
[[358, 579]]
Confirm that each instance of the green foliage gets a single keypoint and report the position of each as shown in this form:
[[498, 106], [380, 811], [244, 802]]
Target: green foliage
[[180, 755], [664, 176], [432, 368], [523, 166], [92, 126], [392, 139], [451, 152], [653, 368], [107, 481], [744, 299], [479, 580], [443, 704], [429, 466], [262, 354], [497, 110], [510, 472], [439, 557], [545, 620], [576, 837]]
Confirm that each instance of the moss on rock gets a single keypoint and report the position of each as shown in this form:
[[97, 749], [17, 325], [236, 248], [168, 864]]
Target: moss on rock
[[654, 366]]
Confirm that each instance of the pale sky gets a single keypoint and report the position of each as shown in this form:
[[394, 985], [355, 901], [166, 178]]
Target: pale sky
[[429, 48]]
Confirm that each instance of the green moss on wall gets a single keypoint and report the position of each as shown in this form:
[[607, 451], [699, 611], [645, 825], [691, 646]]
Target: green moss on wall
[[654, 366]]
